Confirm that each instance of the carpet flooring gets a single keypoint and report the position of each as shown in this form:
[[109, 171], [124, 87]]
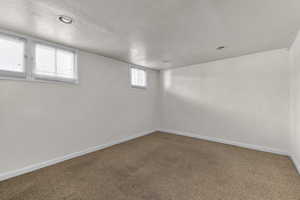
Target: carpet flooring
[[162, 167]]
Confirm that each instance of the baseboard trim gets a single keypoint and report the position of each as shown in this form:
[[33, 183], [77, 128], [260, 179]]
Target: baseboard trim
[[30, 168], [223, 141], [296, 163]]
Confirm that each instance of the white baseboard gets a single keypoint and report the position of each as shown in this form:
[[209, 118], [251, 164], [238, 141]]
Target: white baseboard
[[296, 163], [37, 166], [234, 143]]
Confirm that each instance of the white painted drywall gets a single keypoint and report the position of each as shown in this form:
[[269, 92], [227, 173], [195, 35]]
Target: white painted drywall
[[43, 121], [295, 101], [243, 100]]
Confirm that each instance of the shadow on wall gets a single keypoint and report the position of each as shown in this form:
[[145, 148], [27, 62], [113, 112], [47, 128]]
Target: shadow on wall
[[218, 105]]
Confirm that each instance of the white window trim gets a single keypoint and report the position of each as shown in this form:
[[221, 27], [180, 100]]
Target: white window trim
[[130, 77], [15, 74], [55, 78], [29, 61]]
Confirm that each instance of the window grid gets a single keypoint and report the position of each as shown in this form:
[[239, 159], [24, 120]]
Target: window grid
[[138, 77], [12, 55], [63, 65], [17, 59]]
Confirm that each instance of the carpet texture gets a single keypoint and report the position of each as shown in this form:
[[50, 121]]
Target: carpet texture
[[162, 167]]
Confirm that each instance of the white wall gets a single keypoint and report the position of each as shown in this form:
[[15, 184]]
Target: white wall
[[295, 101], [42, 121], [243, 99]]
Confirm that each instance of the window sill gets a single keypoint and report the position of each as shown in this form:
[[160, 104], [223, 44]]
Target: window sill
[[40, 80], [139, 87]]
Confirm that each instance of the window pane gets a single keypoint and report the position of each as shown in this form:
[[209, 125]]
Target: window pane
[[45, 60], [133, 76], [11, 54], [138, 77], [65, 63], [54, 62], [143, 78]]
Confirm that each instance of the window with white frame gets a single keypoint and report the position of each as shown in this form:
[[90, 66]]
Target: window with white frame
[[138, 77], [54, 63], [12, 54], [26, 58]]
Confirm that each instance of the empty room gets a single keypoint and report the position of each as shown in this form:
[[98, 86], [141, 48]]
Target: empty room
[[150, 100]]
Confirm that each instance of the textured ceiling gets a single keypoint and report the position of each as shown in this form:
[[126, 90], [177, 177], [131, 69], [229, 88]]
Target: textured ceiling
[[159, 34]]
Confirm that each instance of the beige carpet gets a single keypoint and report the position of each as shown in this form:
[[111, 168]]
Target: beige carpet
[[162, 167]]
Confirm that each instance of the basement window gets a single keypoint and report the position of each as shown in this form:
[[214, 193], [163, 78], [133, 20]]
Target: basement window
[[138, 77], [12, 56], [52, 63], [28, 59]]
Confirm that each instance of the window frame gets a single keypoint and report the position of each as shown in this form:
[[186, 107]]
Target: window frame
[[5, 74], [49, 77], [130, 77], [29, 61]]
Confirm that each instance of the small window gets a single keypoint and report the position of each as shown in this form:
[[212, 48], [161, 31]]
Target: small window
[[12, 53], [138, 78], [54, 64]]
